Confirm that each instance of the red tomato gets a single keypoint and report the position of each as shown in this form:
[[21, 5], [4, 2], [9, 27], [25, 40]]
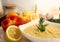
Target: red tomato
[[5, 24], [11, 20], [16, 20]]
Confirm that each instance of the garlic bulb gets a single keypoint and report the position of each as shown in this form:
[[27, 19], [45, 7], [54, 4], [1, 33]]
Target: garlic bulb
[[49, 16]]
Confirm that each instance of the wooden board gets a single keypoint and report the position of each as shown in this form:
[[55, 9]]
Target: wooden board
[[23, 39]]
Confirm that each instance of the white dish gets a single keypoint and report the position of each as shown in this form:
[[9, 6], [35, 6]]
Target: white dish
[[35, 39]]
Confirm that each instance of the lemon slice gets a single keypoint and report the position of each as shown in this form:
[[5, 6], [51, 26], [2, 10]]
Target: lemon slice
[[13, 34]]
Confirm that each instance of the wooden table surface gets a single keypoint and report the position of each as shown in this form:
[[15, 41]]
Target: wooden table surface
[[23, 39]]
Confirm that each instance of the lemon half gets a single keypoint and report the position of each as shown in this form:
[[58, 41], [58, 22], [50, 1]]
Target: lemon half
[[13, 34]]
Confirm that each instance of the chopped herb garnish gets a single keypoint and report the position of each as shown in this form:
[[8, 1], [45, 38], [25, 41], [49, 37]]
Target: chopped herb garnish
[[41, 26]]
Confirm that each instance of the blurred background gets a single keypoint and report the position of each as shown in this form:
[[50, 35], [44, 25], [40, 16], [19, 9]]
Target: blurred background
[[28, 5]]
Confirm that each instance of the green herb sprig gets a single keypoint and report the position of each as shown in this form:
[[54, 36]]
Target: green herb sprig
[[41, 26]]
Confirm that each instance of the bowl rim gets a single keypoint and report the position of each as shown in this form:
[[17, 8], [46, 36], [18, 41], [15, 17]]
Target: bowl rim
[[53, 23]]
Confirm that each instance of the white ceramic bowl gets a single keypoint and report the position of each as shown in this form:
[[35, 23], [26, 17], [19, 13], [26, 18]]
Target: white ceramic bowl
[[35, 39]]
